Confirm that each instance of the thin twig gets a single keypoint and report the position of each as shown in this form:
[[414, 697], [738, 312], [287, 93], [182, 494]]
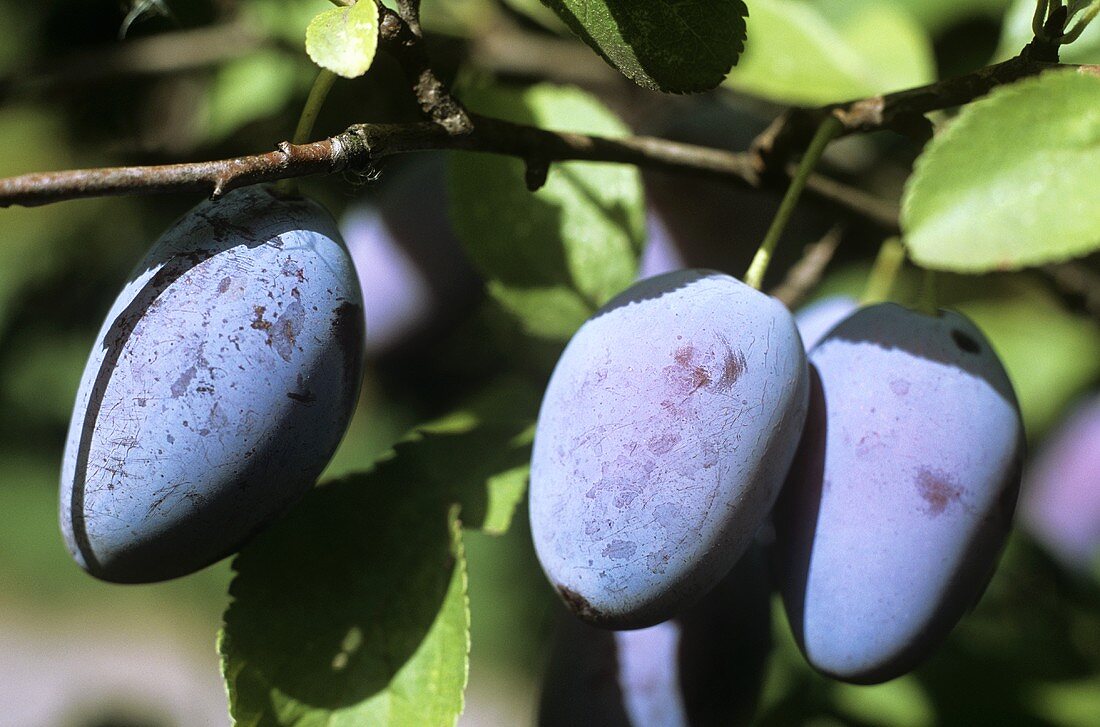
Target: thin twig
[[901, 111], [806, 274], [400, 35]]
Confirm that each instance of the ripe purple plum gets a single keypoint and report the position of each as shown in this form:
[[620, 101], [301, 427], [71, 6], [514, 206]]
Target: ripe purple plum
[[704, 667], [902, 493], [819, 317], [217, 390], [415, 277], [660, 254], [1060, 504], [663, 439]]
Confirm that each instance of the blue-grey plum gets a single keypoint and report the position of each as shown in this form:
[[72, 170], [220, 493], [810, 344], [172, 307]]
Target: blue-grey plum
[[660, 254], [1060, 504], [414, 274], [217, 389], [703, 667], [664, 436], [902, 493], [819, 317]]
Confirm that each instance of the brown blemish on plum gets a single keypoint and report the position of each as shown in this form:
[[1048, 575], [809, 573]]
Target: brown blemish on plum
[[938, 490], [690, 372], [347, 327], [899, 387], [734, 367], [224, 285], [620, 549], [579, 605], [258, 322]]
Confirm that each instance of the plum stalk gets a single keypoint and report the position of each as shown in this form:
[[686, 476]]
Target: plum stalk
[[302, 133], [829, 129]]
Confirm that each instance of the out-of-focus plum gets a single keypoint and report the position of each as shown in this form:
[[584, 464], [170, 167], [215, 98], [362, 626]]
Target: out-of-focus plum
[[415, 277], [1060, 504], [704, 667]]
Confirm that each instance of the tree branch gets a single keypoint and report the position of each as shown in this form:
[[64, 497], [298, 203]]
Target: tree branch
[[362, 144], [400, 34], [902, 111]]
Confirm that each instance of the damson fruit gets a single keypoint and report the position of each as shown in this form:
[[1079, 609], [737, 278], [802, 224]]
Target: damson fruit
[[902, 492], [1060, 504], [818, 318], [664, 436], [704, 667], [413, 272], [217, 390]]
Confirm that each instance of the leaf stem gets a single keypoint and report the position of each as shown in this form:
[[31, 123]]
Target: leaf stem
[[829, 129], [927, 301], [880, 283], [317, 95]]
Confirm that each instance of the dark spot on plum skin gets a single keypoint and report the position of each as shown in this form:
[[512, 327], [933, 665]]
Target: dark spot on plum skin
[[258, 322], [224, 285], [347, 328], [938, 490], [688, 375], [965, 342], [306, 397], [579, 605]]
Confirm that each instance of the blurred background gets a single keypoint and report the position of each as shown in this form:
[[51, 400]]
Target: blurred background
[[99, 82]]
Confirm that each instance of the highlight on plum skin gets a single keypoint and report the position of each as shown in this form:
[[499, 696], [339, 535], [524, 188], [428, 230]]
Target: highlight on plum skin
[[1060, 501], [817, 318], [219, 386], [902, 493], [663, 438], [706, 666]]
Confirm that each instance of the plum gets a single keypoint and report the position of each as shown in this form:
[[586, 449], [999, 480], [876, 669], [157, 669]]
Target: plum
[[660, 254], [414, 274], [902, 493], [704, 667], [217, 389], [819, 317], [1060, 505], [663, 439]]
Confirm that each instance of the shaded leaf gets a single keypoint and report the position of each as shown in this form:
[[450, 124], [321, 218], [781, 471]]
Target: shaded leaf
[[353, 609], [1011, 183], [682, 46], [553, 256]]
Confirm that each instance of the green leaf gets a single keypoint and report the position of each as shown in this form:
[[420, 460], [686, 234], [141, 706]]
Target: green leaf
[[938, 15], [553, 256], [353, 609], [1011, 183], [815, 53], [247, 89], [682, 46], [344, 39], [1016, 33], [539, 13]]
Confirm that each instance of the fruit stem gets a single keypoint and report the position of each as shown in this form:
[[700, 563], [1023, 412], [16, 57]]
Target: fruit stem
[[883, 275], [830, 128], [317, 95], [927, 301]]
